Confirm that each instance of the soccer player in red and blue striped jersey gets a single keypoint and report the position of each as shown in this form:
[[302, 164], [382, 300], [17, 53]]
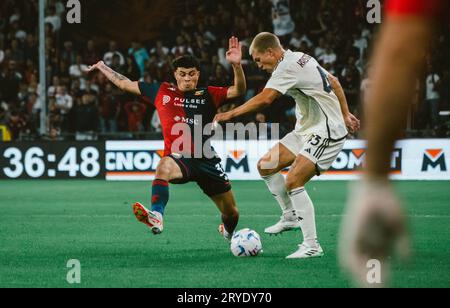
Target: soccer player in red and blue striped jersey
[[184, 111]]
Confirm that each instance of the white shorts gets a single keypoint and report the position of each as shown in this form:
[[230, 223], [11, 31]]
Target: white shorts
[[317, 148]]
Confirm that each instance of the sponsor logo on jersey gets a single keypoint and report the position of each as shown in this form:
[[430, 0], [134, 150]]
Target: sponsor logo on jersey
[[199, 93], [192, 101], [187, 120], [304, 60], [237, 160], [166, 99], [434, 159]]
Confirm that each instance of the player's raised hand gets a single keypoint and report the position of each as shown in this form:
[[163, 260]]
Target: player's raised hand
[[234, 53], [94, 67]]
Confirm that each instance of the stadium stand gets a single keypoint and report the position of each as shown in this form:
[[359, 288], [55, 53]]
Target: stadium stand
[[338, 37]]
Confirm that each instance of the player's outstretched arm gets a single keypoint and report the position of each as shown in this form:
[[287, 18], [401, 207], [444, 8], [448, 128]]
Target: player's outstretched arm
[[234, 56], [259, 102], [119, 80], [374, 202], [352, 122]]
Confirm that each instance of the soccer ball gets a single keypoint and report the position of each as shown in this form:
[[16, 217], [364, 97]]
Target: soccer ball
[[246, 243]]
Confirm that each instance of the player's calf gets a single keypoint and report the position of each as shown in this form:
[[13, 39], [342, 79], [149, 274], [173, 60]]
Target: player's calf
[[227, 206], [160, 195], [301, 172], [230, 221]]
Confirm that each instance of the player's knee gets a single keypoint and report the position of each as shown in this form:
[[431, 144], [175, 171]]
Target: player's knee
[[164, 168], [263, 167]]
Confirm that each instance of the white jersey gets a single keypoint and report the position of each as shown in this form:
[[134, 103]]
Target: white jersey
[[318, 110]]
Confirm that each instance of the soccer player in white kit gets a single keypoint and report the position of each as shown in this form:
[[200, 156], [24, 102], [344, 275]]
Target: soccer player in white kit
[[323, 123]]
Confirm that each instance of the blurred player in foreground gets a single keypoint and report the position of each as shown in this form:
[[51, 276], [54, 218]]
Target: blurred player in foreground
[[184, 111], [375, 223], [322, 121]]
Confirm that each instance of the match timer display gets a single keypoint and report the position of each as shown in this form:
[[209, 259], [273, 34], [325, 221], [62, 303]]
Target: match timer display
[[52, 160]]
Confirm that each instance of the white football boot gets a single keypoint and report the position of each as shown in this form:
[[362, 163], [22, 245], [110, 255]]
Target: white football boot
[[153, 220], [288, 221], [304, 251]]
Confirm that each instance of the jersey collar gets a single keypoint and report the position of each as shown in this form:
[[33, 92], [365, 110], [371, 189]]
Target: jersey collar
[[282, 58]]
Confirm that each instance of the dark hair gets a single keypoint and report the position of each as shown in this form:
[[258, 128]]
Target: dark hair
[[185, 62]]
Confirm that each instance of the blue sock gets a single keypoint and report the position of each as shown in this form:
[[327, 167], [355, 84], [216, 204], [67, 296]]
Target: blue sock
[[160, 195]]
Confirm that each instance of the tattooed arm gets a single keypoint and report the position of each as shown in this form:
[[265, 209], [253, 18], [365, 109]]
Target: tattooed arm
[[119, 80]]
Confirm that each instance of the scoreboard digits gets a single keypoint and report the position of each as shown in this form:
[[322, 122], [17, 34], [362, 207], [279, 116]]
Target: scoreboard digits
[[57, 160]]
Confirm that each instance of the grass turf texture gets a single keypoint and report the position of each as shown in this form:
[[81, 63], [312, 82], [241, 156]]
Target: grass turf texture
[[43, 224]]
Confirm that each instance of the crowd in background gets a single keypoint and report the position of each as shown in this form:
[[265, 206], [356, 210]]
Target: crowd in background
[[85, 106]]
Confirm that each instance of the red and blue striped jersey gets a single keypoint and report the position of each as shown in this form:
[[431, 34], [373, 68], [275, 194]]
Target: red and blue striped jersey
[[184, 115]]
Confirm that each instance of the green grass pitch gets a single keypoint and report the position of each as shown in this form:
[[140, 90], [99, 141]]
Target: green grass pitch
[[43, 224]]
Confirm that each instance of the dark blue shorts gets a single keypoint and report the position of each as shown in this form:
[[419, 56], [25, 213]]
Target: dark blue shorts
[[207, 173]]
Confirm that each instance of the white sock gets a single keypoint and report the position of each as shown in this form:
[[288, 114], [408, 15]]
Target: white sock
[[277, 186], [305, 211]]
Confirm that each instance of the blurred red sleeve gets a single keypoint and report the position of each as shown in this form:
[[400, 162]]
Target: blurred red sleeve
[[427, 8]]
